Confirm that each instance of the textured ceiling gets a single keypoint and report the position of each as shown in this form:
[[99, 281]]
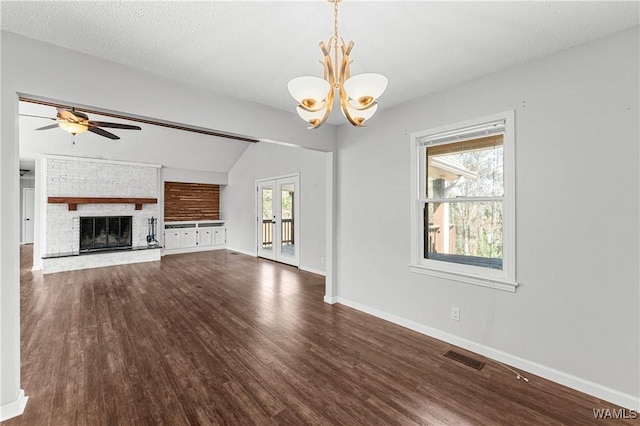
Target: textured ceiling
[[251, 49]]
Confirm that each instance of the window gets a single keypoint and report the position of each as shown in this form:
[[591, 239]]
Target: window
[[463, 219]]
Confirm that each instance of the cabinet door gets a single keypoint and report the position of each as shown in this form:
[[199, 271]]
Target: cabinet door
[[219, 236], [187, 238], [205, 236], [172, 239]]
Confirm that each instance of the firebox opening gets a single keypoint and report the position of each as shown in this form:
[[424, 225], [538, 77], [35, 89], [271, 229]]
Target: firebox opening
[[105, 232]]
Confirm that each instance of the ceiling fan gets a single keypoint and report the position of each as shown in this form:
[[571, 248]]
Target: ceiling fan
[[76, 122]]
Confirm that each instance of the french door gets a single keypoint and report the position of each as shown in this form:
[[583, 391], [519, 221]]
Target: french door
[[278, 219]]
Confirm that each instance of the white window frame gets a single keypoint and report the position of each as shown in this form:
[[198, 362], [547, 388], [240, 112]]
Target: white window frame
[[504, 279]]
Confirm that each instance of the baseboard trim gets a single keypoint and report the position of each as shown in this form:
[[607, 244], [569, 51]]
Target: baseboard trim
[[585, 386], [312, 270], [331, 300], [242, 251], [15, 408], [196, 249]]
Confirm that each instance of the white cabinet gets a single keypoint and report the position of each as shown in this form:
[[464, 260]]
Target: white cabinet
[[179, 236], [171, 239], [188, 238], [184, 237], [205, 236], [219, 236]]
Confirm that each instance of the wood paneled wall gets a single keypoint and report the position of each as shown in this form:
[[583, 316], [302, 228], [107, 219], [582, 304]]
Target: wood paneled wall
[[191, 201]]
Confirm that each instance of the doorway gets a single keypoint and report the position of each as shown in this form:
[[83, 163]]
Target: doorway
[[278, 216], [28, 196]]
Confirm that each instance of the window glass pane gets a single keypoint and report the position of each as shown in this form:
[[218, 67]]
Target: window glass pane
[[472, 168], [464, 232]]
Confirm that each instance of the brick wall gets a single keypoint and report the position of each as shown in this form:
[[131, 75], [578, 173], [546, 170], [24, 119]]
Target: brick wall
[[68, 177], [77, 177]]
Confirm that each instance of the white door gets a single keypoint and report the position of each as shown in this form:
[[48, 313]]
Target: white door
[[278, 219], [28, 195]]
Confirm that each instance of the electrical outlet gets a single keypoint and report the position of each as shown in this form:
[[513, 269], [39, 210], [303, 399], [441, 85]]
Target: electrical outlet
[[322, 260], [455, 314]]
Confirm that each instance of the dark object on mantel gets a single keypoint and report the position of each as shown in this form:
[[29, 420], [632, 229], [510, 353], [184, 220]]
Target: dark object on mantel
[[74, 201]]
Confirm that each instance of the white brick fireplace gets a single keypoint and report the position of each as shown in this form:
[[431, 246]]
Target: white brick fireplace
[[95, 187]]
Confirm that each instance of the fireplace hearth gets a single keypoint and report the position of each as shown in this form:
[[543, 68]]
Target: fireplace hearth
[[101, 233]]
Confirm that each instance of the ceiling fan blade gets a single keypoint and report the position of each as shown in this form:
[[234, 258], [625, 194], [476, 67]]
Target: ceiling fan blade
[[99, 131], [50, 126], [37, 116], [113, 125]]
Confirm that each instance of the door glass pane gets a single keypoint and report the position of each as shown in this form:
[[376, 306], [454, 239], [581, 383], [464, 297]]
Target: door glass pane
[[267, 218], [287, 194]]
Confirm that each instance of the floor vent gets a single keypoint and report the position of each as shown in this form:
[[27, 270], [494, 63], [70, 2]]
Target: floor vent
[[463, 359]]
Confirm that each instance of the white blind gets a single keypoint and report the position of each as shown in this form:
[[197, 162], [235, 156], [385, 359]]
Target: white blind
[[463, 134]]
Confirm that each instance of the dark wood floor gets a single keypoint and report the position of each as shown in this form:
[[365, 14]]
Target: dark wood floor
[[221, 338]]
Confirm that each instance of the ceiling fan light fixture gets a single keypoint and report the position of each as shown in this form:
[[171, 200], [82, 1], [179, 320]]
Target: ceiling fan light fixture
[[358, 95], [73, 128]]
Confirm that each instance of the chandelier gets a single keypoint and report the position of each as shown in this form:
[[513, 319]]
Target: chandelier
[[358, 93]]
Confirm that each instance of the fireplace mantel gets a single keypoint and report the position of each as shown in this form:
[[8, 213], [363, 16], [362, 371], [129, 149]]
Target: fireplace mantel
[[73, 202]]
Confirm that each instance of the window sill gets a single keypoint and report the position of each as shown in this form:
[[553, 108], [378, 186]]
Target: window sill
[[494, 283]]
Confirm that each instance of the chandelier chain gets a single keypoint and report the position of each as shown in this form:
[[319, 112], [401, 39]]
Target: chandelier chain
[[335, 40], [335, 23]]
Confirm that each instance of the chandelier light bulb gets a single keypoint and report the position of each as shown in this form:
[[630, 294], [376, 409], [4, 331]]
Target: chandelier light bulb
[[309, 91], [313, 118], [360, 116], [366, 88]]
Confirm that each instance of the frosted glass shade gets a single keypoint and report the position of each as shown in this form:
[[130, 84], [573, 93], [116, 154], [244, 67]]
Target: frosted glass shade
[[366, 88], [360, 116], [309, 91], [73, 128], [310, 117]]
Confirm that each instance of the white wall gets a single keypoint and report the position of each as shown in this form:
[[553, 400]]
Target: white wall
[[33, 68], [238, 198], [575, 317], [170, 174]]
